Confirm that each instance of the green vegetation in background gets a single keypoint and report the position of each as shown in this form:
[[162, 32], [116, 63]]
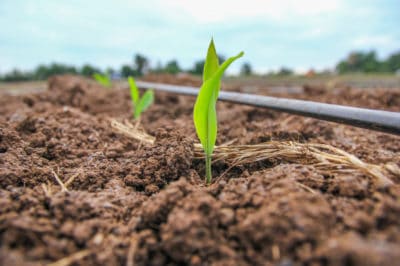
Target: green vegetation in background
[[140, 104], [139, 67], [246, 69], [88, 70], [204, 112], [43, 72], [355, 62], [368, 63]]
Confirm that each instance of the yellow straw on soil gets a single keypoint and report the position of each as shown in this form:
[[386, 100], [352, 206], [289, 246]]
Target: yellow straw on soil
[[322, 156]]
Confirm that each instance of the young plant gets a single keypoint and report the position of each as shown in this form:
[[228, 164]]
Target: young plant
[[204, 113], [140, 104], [104, 80]]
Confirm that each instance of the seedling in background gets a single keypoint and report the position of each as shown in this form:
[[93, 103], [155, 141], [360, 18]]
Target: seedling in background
[[140, 104], [204, 113], [104, 80]]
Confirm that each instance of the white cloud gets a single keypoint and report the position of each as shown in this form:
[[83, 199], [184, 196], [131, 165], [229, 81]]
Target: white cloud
[[211, 11], [375, 40], [386, 42]]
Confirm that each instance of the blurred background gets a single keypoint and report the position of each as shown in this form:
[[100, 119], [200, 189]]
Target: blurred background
[[285, 38]]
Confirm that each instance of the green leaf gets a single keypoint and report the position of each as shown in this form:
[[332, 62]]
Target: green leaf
[[211, 64], [104, 80], [134, 90], [144, 103], [204, 114], [140, 104]]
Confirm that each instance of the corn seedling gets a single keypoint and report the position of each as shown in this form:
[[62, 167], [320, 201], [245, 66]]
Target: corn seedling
[[140, 104], [104, 80], [204, 113]]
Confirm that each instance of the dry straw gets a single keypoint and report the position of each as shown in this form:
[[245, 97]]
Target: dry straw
[[322, 156]]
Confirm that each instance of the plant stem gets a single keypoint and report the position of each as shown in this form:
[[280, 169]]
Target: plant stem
[[208, 168]]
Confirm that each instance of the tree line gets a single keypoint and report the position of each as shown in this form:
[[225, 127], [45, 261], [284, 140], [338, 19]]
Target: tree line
[[369, 63], [362, 62]]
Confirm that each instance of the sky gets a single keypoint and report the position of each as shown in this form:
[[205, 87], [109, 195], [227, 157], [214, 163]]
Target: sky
[[296, 34]]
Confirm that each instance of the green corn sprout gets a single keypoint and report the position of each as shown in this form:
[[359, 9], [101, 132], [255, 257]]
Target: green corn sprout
[[204, 113], [104, 80], [140, 103]]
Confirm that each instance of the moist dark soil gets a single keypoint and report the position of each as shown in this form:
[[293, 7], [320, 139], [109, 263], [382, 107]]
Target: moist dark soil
[[127, 203]]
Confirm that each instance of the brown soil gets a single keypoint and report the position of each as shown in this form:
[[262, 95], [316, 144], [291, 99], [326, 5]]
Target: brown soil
[[121, 202]]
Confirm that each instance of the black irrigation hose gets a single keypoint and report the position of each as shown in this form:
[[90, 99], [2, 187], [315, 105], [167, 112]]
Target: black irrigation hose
[[384, 121]]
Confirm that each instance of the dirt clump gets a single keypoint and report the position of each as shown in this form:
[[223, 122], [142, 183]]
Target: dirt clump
[[168, 160]]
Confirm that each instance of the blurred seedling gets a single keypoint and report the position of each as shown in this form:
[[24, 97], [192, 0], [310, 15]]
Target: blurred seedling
[[104, 80], [204, 113], [140, 104]]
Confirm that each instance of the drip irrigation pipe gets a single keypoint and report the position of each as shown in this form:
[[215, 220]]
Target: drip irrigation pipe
[[384, 121]]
